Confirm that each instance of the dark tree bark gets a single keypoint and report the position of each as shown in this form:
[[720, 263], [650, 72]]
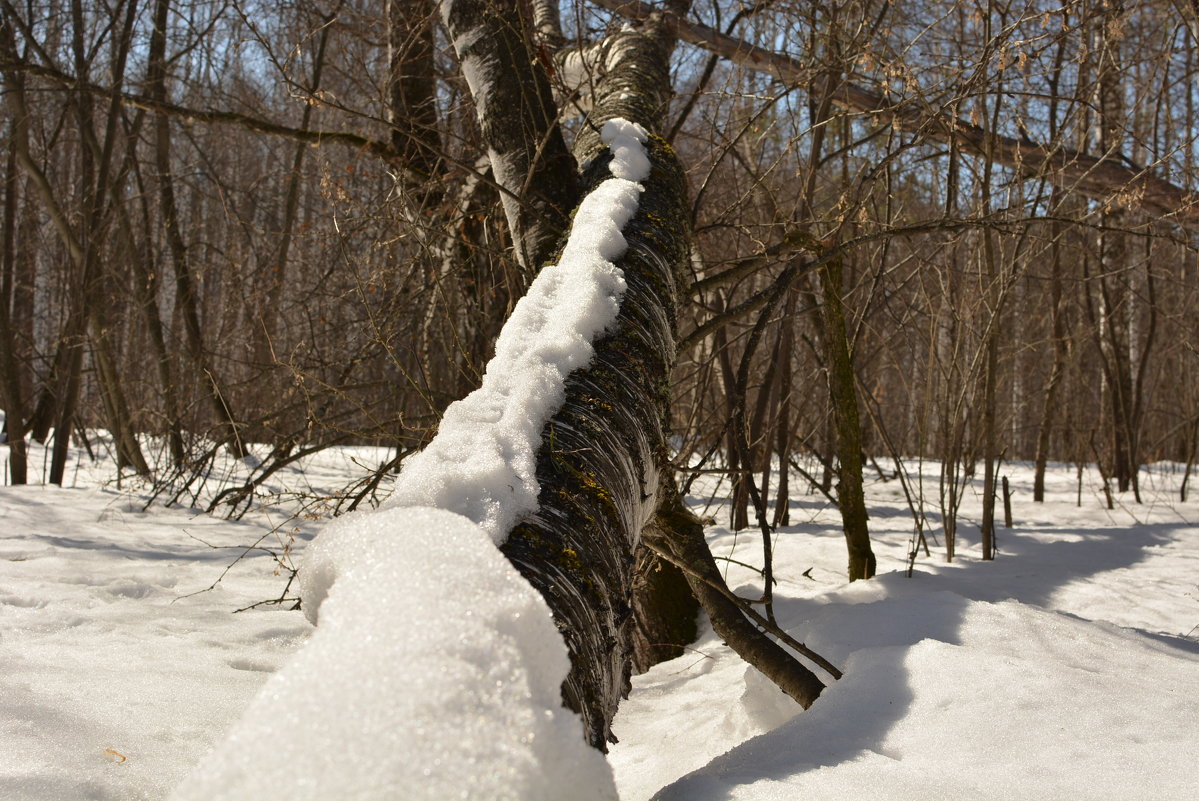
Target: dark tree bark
[[412, 111], [10, 370], [664, 610], [838, 348], [1061, 345], [601, 457], [851, 497], [679, 533], [1061, 348], [737, 460], [782, 505]]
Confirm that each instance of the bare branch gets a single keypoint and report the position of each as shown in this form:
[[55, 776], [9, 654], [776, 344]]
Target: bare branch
[[1100, 178]]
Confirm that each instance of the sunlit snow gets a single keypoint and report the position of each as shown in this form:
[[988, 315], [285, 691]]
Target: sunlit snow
[[482, 463], [1067, 668]]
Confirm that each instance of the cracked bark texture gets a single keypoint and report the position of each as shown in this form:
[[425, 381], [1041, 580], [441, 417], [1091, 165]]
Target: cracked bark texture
[[603, 463], [599, 462]]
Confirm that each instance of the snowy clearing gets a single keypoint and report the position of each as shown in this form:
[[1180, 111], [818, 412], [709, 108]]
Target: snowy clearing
[[1067, 668]]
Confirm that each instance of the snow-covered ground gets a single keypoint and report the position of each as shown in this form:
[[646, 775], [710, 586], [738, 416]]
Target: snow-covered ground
[[1063, 669], [1067, 668], [121, 658]]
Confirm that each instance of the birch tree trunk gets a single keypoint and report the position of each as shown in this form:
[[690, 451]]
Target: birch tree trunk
[[600, 461]]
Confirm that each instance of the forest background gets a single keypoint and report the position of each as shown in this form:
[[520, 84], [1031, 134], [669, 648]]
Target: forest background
[[212, 232], [936, 231], [204, 237]]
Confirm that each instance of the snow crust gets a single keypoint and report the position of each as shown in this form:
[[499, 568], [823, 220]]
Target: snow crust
[[973, 680], [436, 667], [946, 680], [117, 671]]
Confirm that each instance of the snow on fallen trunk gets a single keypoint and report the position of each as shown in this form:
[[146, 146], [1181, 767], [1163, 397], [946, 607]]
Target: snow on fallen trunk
[[436, 670], [483, 461]]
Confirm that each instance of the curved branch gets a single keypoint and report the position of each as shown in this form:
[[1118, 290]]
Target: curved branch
[[684, 547]]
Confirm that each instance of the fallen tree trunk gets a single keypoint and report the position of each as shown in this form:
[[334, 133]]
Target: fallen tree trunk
[[560, 458], [598, 467], [603, 464]]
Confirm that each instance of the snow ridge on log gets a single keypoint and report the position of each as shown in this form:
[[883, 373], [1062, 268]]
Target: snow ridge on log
[[482, 463], [435, 673]]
